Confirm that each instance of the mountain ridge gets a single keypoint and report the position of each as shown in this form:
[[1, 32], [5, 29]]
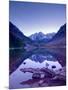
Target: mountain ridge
[[41, 36]]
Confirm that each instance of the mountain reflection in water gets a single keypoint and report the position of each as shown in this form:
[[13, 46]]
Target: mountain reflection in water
[[36, 59]]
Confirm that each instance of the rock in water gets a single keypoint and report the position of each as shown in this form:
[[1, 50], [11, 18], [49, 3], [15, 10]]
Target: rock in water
[[36, 76]]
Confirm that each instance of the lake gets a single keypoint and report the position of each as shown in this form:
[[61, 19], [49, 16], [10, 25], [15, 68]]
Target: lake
[[38, 59]]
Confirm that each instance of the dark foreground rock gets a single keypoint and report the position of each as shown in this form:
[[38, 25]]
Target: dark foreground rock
[[52, 78]]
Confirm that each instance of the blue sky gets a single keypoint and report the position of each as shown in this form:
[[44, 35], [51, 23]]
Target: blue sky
[[37, 17]]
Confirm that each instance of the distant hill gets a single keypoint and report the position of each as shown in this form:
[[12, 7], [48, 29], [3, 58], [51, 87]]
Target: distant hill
[[17, 38], [61, 33], [59, 39]]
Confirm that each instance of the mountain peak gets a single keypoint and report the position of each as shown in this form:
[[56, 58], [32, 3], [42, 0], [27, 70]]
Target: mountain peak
[[40, 36]]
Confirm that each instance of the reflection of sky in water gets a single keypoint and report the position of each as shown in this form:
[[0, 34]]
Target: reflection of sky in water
[[17, 77]]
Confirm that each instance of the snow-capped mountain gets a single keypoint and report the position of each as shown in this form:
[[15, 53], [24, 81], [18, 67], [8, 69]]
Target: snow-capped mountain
[[41, 36]]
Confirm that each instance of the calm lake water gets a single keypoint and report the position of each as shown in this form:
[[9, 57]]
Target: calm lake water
[[37, 60]]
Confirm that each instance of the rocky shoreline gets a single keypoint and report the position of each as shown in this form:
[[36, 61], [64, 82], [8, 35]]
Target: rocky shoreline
[[50, 78]]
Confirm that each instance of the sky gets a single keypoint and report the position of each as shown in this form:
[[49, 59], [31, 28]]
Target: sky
[[37, 17]]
